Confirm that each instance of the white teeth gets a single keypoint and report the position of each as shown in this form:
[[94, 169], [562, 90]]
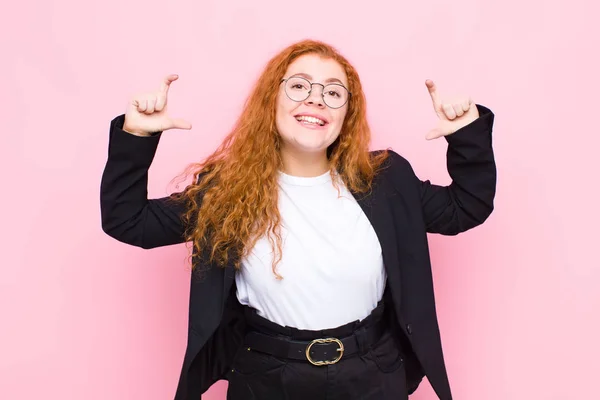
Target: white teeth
[[312, 120]]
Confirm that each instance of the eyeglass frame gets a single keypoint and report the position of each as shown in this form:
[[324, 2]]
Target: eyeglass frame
[[310, 91]]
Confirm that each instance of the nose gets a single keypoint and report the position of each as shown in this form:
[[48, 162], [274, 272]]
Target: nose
[[315, 97]]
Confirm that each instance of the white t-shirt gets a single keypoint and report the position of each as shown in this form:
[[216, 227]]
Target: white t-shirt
[[332, 265]]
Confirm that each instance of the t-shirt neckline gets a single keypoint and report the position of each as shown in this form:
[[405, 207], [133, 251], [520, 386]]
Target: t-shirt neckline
[[304, 180]]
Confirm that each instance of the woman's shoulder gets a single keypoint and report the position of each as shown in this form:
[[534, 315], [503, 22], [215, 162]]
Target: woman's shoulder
[[393, 161], [396, 170]]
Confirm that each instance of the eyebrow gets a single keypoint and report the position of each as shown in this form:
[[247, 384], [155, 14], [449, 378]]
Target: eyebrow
[[307, 76]]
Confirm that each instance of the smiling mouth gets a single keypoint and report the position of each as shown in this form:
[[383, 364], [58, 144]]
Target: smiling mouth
[[310, 120]]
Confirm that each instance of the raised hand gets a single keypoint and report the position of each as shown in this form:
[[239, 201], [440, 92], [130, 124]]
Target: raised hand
[[453, 115], [147, 113]]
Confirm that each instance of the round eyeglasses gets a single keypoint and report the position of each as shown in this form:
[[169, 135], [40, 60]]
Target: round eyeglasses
[[298, 89]]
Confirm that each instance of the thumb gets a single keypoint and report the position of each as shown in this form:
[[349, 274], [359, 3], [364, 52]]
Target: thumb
[[434, 134], [178, 123]]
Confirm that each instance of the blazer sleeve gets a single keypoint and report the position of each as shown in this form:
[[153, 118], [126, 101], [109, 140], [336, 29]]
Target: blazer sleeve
[[469, 200], [126, 212]]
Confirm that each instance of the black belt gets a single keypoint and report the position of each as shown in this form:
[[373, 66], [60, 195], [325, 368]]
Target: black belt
[[322, 351]]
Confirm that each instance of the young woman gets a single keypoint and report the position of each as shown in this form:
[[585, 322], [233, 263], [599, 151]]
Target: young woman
[[311, 271]]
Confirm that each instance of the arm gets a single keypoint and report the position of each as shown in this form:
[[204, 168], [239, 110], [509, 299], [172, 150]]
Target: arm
[[469, 199], [127, 213]]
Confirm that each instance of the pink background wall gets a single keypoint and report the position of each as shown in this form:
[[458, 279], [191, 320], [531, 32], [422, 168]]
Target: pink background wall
[[85, 317]]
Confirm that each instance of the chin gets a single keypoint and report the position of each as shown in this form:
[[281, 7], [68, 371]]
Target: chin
[[308, 148], [311, 143], [306, 140]]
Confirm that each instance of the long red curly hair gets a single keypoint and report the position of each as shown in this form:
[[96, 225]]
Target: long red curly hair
[[233, 200]]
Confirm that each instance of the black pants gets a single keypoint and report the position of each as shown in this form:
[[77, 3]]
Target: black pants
[[375, 373]]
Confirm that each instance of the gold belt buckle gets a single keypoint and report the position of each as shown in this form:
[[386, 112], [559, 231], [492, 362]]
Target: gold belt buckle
[[326, 340]]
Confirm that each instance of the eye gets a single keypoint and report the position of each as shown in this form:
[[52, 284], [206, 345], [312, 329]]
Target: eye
[[333, 93]]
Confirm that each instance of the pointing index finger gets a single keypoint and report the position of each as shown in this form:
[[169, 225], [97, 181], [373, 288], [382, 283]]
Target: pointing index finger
[[433, 93], [164, 88]]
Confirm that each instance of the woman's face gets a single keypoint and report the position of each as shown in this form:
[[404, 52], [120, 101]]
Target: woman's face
[[310, 125]]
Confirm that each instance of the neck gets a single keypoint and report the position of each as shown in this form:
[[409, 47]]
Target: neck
[[304, 164]]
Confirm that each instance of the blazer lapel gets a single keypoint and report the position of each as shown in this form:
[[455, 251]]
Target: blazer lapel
[[376, 207], [228, 279]]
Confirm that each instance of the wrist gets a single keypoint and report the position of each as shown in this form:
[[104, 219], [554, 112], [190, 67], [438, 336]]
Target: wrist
[[135, 132]]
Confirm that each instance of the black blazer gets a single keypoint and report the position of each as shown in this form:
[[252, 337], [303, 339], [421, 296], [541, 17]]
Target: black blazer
[[401, 208]]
